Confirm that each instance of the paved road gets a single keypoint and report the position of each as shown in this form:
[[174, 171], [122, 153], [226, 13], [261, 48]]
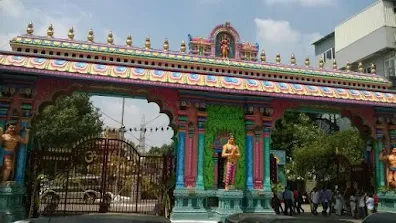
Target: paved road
[[308, 213]]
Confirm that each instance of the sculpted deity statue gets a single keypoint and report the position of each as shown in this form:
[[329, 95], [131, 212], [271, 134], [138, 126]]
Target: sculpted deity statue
[[391, 159], [231, 153], [9, 142], [225, 46]]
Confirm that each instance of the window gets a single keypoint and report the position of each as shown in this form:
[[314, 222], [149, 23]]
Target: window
[[389, 66], [368, 70], [329, 55]]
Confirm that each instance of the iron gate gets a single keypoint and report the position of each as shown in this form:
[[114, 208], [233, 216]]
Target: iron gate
[[99, 175]]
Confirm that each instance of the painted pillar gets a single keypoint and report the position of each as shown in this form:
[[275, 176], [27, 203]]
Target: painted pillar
[[379, 164], [201, 149], [189, 157], [267, 177], [249, 154], [180, 151], [22, 156]]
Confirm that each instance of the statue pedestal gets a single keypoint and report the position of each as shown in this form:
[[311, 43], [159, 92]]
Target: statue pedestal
[[257, 201], [230, 202], [11, 202], [189, 204], [387, 201]]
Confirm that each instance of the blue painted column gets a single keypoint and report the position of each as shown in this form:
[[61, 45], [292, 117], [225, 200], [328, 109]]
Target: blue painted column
[[180, 152], [201, 149], [379, 164], [22, 156], [249, 153], [267, 148]]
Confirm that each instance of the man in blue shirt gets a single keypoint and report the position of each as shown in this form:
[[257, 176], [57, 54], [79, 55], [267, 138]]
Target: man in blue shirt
[[287, 198]]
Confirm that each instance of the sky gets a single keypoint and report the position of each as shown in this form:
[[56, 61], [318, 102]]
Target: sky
[[284, 26]]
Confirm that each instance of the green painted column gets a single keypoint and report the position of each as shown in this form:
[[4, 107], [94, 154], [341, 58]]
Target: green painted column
[[201, 149], [379, 164], [267, 148]]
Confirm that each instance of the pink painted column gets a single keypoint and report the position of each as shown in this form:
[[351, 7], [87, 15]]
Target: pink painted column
[[189, 161]]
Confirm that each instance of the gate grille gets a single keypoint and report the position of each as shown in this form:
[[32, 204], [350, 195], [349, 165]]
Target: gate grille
[[100, 175]]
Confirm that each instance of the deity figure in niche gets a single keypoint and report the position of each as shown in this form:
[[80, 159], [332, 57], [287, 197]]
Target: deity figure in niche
[[231, 153], [225, 45], [391, 159], [9, 142]]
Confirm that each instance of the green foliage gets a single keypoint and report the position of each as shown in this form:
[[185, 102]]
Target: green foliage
[[163, 150], [318, 156], [293, 131], [68, 120], [224, 118]]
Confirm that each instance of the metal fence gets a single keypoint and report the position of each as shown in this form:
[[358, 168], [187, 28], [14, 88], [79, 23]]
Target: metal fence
[[99, 175]]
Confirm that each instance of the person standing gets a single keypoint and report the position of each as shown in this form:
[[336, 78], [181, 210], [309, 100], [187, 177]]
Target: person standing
[[370, 204], [338, 204], [315, 201], [362, 205], [352, 204], [288, 199]]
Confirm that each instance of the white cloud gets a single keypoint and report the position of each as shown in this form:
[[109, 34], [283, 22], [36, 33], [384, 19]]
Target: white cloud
[[133, 113], [305, 3], [12, 8], [14, 17], [278, 36]]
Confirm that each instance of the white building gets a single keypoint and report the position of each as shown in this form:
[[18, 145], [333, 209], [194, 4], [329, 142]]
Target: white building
[[368, 37]]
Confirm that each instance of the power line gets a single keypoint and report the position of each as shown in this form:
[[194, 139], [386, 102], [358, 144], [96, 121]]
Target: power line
[[154, 118]]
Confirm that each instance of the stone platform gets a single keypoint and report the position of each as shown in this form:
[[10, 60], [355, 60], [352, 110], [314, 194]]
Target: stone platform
[[11, 202], [387, 201], [215, 205]]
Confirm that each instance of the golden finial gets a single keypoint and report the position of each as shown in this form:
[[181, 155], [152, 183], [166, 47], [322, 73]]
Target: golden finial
[[334, 64], [183, 47], [307, 62], [29, 29], [110, 39], [293, 59], [166, 45], [129, 40], [90, 37], [278, 58], [360, 67], [373, 68], [50, 31], [263, 57], [321, 62], [147, 44], [71, 33], [348, 66]]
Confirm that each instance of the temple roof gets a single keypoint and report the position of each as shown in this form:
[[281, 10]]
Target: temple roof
[[49, 42], [12, 62]]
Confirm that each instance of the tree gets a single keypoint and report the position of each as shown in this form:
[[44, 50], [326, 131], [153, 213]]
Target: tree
[[318, 157], [293, 131], [68, 120], [163, 150]]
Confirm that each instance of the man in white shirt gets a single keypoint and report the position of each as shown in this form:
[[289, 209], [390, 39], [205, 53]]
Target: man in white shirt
[[315, 200], [370, 204]]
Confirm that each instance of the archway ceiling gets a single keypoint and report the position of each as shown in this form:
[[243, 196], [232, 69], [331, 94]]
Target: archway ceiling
[[237, 85]]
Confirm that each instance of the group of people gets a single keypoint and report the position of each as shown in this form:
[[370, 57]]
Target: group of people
[[292, 200], [359, 203]]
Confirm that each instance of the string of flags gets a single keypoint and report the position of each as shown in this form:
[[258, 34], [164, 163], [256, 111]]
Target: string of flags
[[150, 129]]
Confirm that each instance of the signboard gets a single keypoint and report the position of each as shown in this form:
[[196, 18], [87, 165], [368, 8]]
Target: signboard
[[280, 155]]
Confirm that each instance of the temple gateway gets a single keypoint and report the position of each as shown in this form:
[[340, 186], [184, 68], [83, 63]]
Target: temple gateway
[[222, 97]]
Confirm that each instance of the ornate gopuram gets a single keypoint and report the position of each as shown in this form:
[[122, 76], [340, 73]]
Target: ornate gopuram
[[222, 97]]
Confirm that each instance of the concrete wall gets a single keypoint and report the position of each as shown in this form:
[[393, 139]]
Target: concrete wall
[[378, 41], [378, 15], [321, 48]]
